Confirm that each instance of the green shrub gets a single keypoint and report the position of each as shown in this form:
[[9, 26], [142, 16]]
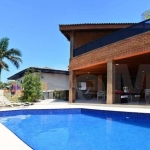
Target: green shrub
[[59, 94], [32, 87]]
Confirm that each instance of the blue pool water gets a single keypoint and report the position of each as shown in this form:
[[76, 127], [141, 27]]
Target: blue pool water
[[79, 129]]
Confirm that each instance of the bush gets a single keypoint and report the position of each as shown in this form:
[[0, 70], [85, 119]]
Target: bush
[[32, 87], [59, 94], [13, 98]]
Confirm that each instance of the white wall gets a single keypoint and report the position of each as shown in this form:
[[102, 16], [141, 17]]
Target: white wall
[[56, 81]]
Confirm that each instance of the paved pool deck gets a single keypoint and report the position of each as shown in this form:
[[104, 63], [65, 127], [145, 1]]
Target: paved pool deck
[[10, 141]]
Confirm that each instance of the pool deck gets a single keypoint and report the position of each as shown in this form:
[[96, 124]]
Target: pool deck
[[10, 141]]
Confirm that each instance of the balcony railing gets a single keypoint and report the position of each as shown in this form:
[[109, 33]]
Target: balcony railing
[[122, 34]]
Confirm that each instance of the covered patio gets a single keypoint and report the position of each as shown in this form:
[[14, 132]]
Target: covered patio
[[132, 73]]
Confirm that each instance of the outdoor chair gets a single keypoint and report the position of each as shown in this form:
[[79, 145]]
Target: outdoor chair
[[101, 95], [84, 95], [6, 102], [147, 95], [1, 104]]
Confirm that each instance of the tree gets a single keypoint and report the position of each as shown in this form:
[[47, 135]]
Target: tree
[[3, 85], [13, 55], [32, 86]]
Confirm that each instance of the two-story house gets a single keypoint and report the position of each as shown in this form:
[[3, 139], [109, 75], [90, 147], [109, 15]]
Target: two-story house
[[109, 57]]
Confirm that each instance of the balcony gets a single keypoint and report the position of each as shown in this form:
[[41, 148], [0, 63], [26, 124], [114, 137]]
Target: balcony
[[133, 30]]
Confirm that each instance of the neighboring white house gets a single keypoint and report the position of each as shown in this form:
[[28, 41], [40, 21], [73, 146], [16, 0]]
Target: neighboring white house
[[53, 79]]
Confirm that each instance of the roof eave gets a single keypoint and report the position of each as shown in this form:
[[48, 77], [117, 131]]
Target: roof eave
[[43, 70], [66, 28]]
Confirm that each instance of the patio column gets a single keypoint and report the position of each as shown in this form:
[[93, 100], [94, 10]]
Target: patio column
[[100, 82], [72, 87], [110, 82], [71, 44]]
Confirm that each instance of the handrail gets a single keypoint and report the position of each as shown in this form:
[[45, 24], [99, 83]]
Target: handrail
[[130, 31]]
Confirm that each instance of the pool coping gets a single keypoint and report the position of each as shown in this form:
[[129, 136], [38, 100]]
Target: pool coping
[[10, 141]]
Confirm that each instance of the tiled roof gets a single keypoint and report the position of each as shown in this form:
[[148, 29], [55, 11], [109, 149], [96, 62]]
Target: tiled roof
[[36, 69], [95, 24]]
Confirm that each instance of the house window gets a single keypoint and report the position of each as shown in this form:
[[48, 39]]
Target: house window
[[82, 85]]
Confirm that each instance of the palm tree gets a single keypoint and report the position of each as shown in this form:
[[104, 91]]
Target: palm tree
[[13, 55]]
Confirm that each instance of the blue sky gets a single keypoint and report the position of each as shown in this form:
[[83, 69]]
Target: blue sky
[[33, 26]]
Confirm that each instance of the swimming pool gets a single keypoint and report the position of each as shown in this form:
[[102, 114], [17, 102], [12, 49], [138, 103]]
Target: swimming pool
[[83, 129]]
